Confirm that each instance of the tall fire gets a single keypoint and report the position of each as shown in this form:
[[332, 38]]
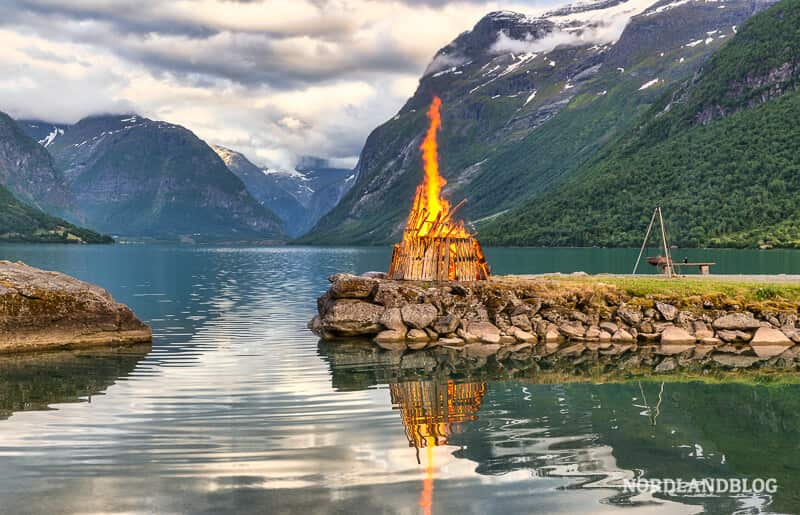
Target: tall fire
[[435, 246]]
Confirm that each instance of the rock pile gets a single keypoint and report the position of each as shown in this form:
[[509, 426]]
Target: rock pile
[[516, 320]]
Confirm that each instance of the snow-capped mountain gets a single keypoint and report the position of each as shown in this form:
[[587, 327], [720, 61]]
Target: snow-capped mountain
[[300, 197], [527, 99]]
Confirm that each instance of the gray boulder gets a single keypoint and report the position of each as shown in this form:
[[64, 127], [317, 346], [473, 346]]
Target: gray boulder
[[736, 322], [609, 327], [522, 321], [391, 319], [346, 286], [572, 329], [768, 342], [630, 315], [446, 324], [668, 311], [734, 336], [394, 295], [522, 336], [484, 331], [676, 336], [351, 317], [418, 316], [622, 336]]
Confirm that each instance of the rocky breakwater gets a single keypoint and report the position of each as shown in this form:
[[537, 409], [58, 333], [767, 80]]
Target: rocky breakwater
[[44, 310], [564, 321]]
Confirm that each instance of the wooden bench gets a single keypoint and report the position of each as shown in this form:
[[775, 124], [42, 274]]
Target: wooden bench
[[703, 268]]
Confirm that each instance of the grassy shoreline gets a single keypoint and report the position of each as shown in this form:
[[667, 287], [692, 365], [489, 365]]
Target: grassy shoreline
[[765, 293]]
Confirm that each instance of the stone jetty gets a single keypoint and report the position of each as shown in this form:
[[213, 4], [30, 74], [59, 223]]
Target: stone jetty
[[42, 310], [562, 320]]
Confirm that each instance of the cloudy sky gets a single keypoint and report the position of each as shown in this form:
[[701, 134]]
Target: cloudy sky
[[274, 79]]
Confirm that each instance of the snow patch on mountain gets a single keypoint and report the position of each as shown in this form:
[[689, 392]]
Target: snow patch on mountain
[[600, 23], [286, 173], [47, 141], [649, 84], [666, 7]]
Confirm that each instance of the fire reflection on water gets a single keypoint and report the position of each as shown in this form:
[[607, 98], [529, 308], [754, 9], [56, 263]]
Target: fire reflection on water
[[432, 411]]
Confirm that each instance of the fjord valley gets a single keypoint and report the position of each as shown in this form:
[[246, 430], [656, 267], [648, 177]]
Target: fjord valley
[[375, 256], [537, 112], [299, 197], [560, 129]]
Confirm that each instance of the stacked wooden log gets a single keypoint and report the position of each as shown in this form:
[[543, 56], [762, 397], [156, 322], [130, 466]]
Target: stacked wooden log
[[423, 258], [437, 250]]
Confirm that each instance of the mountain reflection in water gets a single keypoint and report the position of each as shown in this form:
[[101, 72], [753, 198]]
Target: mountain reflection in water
[[587, 436]]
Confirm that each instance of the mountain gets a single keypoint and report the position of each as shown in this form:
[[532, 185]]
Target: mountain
[[527, 101], [717, 152], [27, 169], [299, 197], [137, 177]]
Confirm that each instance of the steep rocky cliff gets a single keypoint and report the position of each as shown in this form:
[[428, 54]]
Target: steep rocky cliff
[[27, 170]]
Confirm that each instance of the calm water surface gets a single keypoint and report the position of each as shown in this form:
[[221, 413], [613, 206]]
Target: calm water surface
[[237, 408]]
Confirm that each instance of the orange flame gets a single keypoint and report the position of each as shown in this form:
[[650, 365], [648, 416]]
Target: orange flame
[[430, 214], [433, 182], [435, 245]]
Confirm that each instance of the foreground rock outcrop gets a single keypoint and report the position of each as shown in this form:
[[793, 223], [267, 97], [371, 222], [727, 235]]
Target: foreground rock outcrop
[[44, 310], [580, 323]]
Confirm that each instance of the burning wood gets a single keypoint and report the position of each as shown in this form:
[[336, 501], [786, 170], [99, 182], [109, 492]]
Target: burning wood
[[435, 246]]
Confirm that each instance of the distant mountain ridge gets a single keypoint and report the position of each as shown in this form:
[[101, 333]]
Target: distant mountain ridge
[[299, 197], [527, 101], [133, 176]]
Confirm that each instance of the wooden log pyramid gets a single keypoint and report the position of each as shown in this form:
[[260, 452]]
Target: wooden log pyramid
[[437, 250]]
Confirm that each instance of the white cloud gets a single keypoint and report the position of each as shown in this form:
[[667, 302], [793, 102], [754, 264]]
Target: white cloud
[[598, 27], [273, 79]]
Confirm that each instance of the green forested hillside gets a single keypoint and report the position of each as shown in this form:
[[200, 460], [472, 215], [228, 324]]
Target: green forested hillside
[[23, 223], [719, 154]]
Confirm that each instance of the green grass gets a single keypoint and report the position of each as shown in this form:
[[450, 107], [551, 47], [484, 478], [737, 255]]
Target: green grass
[[686, 288], [21, 223]]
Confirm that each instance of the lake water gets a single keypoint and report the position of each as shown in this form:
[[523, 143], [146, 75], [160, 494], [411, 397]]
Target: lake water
[[237, 408]]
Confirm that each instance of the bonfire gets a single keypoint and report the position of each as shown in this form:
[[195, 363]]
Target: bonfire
[[435, 245]]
